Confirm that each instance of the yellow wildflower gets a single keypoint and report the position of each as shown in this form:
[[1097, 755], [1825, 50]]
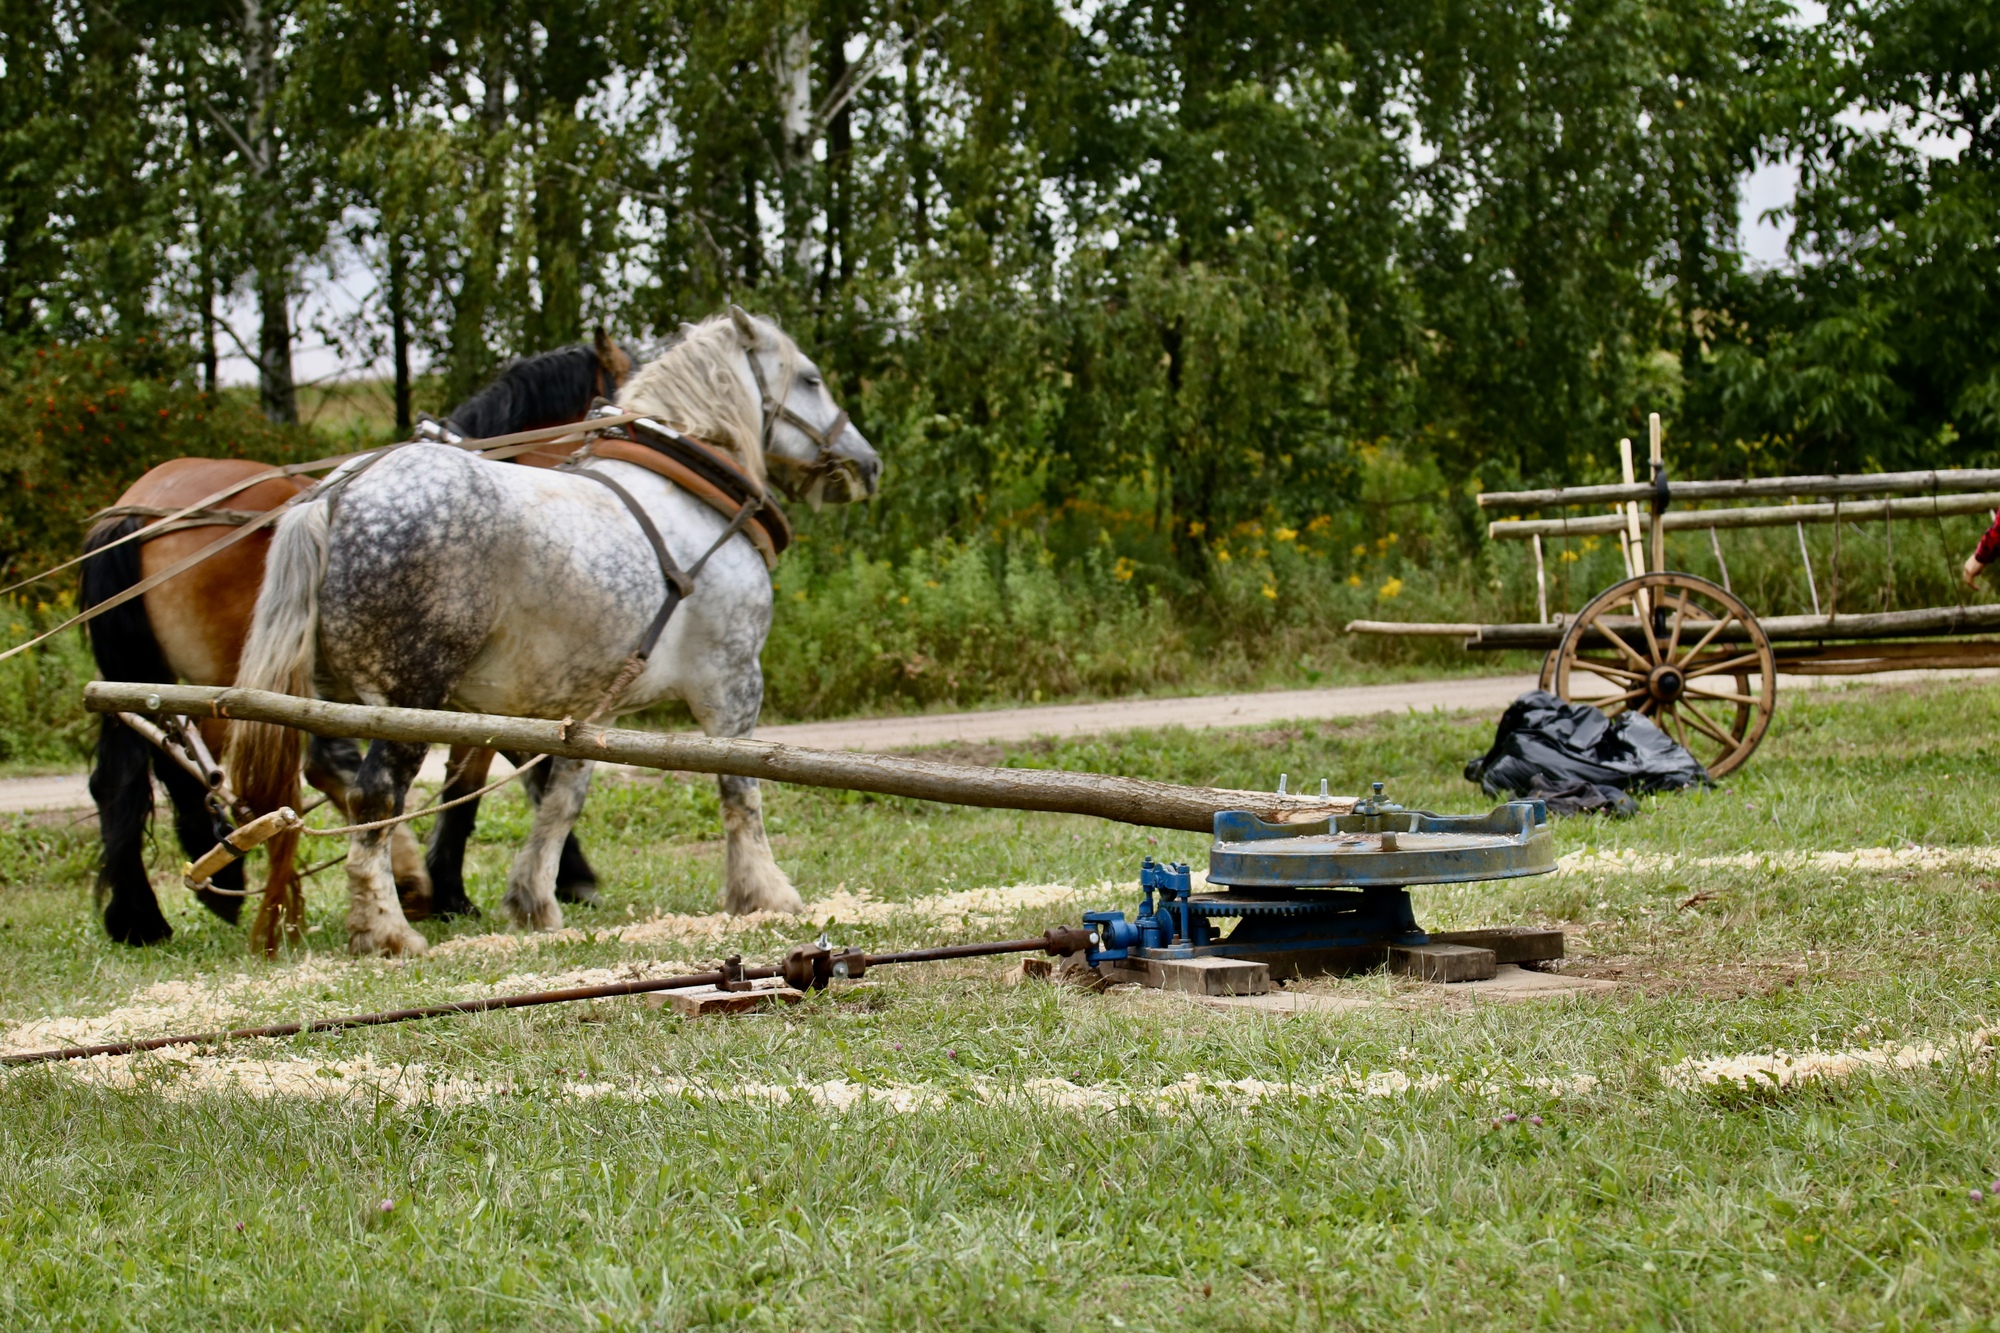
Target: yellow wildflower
[[1270, 592], [1123, 570], [1285, 534], [1222, 554], [1393, 588]]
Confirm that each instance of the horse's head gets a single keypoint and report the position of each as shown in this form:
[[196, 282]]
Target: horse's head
[[737, 381], [811, 448], [615, 364]]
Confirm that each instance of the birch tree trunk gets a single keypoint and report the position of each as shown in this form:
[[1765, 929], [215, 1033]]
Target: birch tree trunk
[[792, 70]]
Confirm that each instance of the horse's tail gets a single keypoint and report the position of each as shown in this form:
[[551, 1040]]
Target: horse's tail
[[122, 638], [263, 758]]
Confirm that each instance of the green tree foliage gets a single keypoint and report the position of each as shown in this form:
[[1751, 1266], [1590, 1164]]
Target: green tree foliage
[[1190, 264], [84, 421], [1881, 345]]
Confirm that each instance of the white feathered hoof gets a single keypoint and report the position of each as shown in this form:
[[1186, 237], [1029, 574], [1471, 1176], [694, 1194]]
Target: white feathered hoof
[[760, 888], [530, 910], [384, 939]]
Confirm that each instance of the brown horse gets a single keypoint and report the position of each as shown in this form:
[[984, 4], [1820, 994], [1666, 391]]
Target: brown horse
[[193, 628]]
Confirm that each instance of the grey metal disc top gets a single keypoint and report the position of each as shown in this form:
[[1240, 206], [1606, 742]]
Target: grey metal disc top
[[1381, 845]]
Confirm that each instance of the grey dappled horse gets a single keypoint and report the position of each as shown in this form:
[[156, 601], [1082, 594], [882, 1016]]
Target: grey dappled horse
[[437, 579]]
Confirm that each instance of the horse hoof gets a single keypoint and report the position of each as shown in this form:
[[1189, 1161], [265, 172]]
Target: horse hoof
[[444, 910], [584, 893], [781, 898], [136, 928], [531, 914], [394, 942]]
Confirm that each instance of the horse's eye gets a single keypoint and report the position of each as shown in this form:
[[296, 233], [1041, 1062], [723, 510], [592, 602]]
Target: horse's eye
[[812, 381]]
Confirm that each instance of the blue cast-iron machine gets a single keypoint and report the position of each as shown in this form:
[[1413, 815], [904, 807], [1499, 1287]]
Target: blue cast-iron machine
[[1309, 896]]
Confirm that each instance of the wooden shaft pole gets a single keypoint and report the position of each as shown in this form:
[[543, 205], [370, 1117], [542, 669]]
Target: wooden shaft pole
[[1127, 800]]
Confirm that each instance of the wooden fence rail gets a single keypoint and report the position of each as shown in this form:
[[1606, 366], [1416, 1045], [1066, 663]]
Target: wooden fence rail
[[1754, 488]]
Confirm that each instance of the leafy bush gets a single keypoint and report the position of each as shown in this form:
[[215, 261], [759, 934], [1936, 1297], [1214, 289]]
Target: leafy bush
[[42, 722], [79, 424]]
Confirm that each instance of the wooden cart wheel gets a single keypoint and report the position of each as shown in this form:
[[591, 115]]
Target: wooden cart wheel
[[1684, 652]]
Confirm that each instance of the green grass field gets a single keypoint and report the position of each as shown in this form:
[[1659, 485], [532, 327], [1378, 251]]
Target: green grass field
[[935, 1149]]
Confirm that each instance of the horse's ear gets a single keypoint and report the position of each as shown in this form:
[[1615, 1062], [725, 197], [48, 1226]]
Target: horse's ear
[[607, 351], [745, 324]]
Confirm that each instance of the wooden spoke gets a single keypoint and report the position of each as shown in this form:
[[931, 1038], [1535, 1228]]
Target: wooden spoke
[[1617, 698], [1597, 666], [1701, 723], [1720, 696], [1680, 727], [1680, 618], [1733, 665], [1626, 648], [1652, 640], [1709, 637]]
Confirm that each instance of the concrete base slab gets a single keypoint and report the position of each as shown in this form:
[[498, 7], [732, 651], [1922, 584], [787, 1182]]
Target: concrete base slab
[[697, 1001], [1291, 1002], [1519, 983], [1191, 976]]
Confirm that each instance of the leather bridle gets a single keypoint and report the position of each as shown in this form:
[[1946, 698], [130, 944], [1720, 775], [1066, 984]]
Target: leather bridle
[[826, 464]]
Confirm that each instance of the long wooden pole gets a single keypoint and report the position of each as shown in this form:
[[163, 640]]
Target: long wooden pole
[[1755, 488], [1127, 800], [1920, 623], [1766, 516]]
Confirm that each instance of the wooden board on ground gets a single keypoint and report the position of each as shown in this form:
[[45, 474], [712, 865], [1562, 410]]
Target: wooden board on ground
[[765, 993]]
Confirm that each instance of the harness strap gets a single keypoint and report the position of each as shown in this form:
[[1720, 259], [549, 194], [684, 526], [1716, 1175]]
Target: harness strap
[[704, 472], [505, 446], [679, 585], [826, 461], [499, 447]]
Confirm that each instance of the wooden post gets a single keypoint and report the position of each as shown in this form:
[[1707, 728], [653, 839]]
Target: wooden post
[[1541, 584], [1805, 558], [1628, 536], [1658, 459], [1127, 800]]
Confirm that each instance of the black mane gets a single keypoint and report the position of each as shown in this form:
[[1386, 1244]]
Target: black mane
[[546, 389]]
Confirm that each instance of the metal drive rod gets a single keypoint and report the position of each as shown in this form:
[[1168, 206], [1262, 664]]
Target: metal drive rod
[[1057, 940], [1129, 800]]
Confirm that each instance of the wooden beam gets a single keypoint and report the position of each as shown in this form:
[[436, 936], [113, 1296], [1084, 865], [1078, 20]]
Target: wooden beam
[[1780, 629], [1127, 800], [1763, 516], [1769, 488]]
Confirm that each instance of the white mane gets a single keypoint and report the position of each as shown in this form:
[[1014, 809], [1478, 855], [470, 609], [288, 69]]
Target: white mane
[[697, 386]]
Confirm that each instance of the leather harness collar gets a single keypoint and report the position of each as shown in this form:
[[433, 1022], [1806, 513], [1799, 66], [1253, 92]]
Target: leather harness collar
[[703, 471]]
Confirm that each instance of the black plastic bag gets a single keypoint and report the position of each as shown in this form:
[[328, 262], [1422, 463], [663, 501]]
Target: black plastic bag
[[1579, 760]]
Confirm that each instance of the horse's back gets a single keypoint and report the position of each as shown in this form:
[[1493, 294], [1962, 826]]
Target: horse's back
[[201, 617], [511, 590]]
